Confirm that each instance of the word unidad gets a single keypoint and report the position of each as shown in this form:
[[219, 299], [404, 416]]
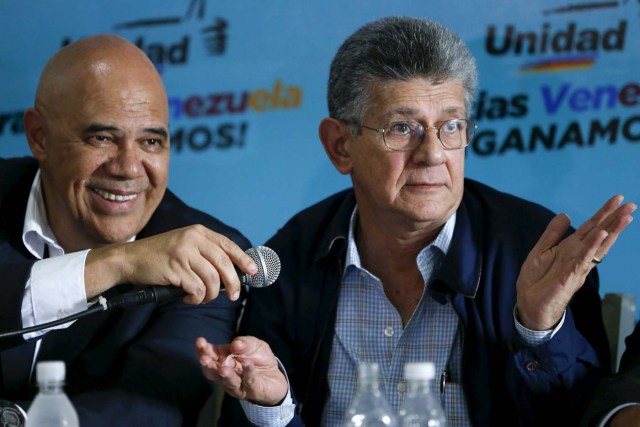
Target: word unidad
[[548, 40]]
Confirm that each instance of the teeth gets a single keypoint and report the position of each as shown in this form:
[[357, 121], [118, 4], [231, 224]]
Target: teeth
[[115, 197]]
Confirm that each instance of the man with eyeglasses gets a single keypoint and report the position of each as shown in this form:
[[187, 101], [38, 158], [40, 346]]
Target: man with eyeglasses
[[416, 263]]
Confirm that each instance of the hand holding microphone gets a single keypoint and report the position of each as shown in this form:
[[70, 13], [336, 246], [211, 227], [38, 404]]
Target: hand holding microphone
[[265, 258], [194, 258], [268, 270], [190, 262]]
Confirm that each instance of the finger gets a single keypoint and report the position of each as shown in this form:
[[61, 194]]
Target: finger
[[245, 345], [193, 286], [254, 350], [553, 234], [209, 372], [177, 271], [590, 246], [615, 229], [619, 219], [603, 213], [231, 381], [219, 259], [216, 371], [235, 253], [209, 277], [204, 348]]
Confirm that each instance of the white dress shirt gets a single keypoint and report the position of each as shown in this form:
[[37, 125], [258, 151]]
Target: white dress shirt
[[55, 289]]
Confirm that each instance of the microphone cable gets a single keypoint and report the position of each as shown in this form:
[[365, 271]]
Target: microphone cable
[[127, 299], [101, 305]]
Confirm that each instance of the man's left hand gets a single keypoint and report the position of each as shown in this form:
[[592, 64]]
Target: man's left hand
[[556, 268]]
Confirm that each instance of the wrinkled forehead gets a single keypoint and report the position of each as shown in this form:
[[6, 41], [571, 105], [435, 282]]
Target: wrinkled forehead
[[414, 97]]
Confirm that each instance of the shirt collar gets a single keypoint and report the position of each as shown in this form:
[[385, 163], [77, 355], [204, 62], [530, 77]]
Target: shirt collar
[[36, 232], [442, 240]]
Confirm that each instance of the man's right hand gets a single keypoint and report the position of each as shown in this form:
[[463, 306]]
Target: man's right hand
[[246, 369], [193, 258]]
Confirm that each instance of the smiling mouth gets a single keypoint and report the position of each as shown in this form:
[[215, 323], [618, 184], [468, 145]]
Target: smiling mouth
[[115, 197]]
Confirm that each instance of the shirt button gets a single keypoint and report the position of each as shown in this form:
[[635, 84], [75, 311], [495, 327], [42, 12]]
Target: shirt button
[[402, 387], [388, 331], [532, 365]]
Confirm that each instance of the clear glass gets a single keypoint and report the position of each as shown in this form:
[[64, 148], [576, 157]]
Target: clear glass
[[405, 136], [421, 407], [52, 408], [369, 408]]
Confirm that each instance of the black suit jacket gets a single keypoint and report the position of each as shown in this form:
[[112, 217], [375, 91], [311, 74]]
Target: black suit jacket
[[624, 387], [135, 366]]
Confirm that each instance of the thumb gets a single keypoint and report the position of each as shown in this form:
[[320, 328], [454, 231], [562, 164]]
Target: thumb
[[243, 345]]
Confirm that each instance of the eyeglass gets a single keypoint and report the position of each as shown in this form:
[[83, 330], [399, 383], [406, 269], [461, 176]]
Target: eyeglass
[[405, 136]]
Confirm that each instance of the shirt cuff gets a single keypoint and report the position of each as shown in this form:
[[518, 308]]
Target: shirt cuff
[[271, 416], [535, 338], [54, 290]]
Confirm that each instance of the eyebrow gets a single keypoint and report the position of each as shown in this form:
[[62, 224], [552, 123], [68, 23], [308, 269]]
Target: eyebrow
[[98, 127], [408, 111], [158, 131]]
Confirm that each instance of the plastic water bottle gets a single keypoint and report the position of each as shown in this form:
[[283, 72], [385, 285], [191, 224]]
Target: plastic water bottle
[[369, 408], [421, 407], [51, 407]]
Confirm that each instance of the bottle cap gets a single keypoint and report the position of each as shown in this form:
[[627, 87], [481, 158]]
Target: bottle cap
[[419, 371], [50, 371]]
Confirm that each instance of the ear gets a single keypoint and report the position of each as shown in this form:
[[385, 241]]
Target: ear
[[34, 130], [334, 135]]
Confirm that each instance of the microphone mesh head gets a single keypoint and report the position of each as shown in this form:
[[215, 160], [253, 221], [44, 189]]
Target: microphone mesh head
[[268, 267]]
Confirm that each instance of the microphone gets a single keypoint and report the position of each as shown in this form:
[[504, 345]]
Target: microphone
[[268, 271], [265, 258]]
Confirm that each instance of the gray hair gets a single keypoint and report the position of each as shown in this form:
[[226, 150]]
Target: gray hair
[[392, 49]]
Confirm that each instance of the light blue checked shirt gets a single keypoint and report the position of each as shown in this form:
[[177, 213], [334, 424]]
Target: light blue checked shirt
[[369, 328]]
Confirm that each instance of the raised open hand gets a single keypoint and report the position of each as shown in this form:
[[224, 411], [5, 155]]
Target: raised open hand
[[556, 268]]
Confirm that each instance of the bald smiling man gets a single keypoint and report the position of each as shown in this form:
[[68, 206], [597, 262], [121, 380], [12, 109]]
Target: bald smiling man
[[90, 215]]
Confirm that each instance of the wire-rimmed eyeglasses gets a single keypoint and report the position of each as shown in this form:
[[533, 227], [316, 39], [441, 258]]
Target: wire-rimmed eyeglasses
[[405, 136]]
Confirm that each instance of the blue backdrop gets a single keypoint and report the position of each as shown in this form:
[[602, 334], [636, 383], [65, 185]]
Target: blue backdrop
[[557, 110]]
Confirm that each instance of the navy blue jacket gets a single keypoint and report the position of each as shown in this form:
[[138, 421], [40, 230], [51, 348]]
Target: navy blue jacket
[[505, 382], [126, 367]]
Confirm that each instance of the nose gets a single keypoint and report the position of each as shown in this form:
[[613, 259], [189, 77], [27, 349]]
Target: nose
[[126, 163], [430, 151]]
